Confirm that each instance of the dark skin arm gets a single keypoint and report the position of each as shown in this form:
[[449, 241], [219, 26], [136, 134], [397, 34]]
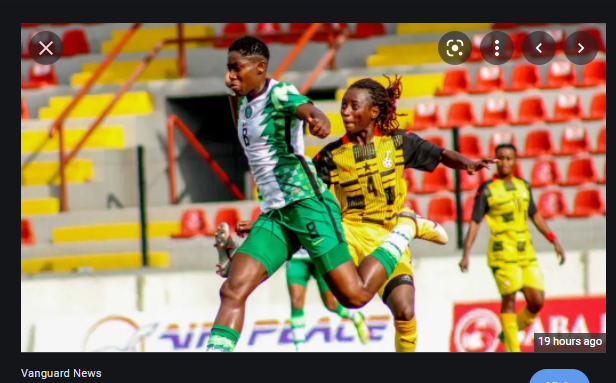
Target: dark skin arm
[[455, 160], [471, 235], [543, 227], [318, 123]]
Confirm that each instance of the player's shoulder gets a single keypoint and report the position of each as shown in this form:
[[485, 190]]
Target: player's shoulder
[[484, 188], [281, 87], [334, 146]]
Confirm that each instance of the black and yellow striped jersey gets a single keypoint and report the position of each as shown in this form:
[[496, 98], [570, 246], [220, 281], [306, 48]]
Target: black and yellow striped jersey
[[506, 206], [369, 179]]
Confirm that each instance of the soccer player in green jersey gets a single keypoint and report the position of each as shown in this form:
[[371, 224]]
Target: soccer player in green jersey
[[298, 210]]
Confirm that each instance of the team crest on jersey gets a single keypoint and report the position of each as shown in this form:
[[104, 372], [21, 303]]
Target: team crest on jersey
[[248, 112], [387, 162]]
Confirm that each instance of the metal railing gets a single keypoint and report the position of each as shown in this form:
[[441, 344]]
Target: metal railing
[[174, 121], [336, 39]]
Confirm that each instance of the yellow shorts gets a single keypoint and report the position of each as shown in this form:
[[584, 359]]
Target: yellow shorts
[[512, 277], [364, 238]]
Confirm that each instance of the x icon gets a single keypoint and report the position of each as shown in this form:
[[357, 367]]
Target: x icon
[[45, 48]]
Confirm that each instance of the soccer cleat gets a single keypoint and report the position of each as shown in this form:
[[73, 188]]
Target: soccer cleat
[[425, 229], [226, 246], [363, 332], [501, 337]]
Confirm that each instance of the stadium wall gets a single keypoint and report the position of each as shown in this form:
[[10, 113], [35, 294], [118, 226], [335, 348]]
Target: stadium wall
[[58, 311]]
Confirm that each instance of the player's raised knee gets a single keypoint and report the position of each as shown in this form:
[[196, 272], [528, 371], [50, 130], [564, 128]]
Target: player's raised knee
[[233, 291]]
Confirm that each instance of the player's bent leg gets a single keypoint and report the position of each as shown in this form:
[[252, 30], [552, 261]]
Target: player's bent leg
[[399, 296], [298, 322], [357, 317], [245, 275], [426, 229], [534, 303], [509, 323]]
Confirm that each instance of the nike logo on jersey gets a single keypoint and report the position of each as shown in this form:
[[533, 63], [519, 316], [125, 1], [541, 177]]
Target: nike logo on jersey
[[315, 243]]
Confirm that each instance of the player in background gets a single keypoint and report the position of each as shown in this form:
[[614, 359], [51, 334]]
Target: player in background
[[366, 168], [506, 202], [297, 208]]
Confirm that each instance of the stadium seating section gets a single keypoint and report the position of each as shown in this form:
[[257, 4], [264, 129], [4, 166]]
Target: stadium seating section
[[555, 115]]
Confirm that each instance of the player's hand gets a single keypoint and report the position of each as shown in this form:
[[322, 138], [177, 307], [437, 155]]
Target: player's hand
[[242, 228], [319, 127], [481, 164], [560, 253], [464, 264]]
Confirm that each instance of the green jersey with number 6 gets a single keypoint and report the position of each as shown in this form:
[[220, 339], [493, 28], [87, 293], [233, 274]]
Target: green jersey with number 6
[[273, 139]]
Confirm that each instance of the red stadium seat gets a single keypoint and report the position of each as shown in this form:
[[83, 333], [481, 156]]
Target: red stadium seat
[[588, 202], [471, 183], [501, 138], [518, 40], [597, 107], [574, 140], [74, 42], [438, 180], [538, 143], [363, 30], [229, 215], [426, 116], [470, 146], [596, 33], [456, 81], [328, 27], [194, 223], [489, 79], [231, 29], [476, 52], [442, 209], [504, 25], [601, 142], [567, 107], [495, 112], [531, 111], [413, 204], [525, 76], [24, 109], [580, 171], [256, 212], [545, 173], [295, 27], [436, 140], [604, 180], [460, 114], [268, 28], [559, 37], [552, 204], [593, 74], [27, 234], [409, 178], [41, 75], [467, 209], [560, 74], [29, 25]]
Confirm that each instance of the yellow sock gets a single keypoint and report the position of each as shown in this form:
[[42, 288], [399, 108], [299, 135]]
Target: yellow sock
[[525, 318], [510, 330], [406, 335]]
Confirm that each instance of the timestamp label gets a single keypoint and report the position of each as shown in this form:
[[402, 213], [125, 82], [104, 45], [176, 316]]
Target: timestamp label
[[570, 342]]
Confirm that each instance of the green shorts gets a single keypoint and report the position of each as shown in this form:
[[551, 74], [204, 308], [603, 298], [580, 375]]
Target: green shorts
[[312, 223], [299, 272]]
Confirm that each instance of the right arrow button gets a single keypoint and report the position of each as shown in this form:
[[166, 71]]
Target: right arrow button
[[581, 48]]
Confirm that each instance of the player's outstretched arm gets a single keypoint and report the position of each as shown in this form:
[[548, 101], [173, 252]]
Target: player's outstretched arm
[[455, 160], [317, 121], [543, 227]]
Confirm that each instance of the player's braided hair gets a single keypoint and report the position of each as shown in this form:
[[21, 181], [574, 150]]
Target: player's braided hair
[[250, 46], [385, 99]]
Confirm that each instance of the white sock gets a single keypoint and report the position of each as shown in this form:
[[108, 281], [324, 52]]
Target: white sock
[[398, 240]]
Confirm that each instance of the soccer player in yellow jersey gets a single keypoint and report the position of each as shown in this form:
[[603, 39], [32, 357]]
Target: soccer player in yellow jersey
[[366, 168], [506, 202]]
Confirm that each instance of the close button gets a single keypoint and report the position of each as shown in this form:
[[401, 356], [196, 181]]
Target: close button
[[45, 48]]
